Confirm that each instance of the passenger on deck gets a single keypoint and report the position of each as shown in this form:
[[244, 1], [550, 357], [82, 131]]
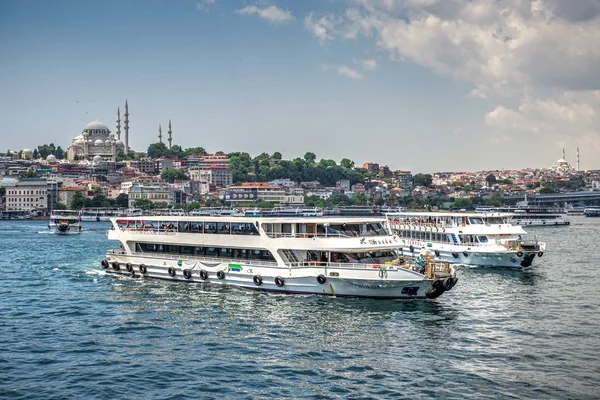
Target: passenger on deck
[[420, 264]]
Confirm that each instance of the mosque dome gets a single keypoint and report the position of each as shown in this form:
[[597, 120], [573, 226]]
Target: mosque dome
[[97, 159], [51, 158], [27, 151], [96, 125], [99, 142]]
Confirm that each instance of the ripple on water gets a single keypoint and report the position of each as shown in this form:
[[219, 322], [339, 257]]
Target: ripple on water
[[75, 332]]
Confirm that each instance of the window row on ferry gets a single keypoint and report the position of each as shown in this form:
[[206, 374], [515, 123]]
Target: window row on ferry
[[223, 228], [424, 235], [216, 252]]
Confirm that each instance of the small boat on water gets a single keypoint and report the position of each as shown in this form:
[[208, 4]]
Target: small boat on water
[[65, 222], [466, 238], [592, 212], [336, 256]]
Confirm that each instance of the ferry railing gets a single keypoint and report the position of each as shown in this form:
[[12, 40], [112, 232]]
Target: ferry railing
[[274, 235]]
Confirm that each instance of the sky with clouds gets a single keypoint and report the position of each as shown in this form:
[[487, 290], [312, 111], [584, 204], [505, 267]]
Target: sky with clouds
[[424, 85]]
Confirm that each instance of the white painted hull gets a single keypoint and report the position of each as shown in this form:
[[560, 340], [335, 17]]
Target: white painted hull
[[72, 230], [479, 257], [391, 282]]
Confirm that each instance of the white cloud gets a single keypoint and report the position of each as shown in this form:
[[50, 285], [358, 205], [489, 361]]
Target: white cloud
[[348, 72], [369, 65], [270, 13], [203, 5], [322, 28], [570, 118], [495, 45]]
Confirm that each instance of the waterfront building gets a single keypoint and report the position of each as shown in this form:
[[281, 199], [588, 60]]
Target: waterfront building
[[219, 175], [156, 194], [29, 195]]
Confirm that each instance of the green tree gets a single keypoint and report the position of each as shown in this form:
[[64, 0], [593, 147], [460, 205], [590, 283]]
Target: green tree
[[172, 174], [422, 180], [347, 163], [277, 156], [194, 150], [79, 201], [122, 200], [310, 157], [30, 174], [35, 155], [144, 204], [60, 206], [490, 179], [194, 206]]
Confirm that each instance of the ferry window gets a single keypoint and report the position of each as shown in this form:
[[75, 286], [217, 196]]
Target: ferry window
[[187, 250], [286, 228], [210, 227], [212, 251], [223, 228], [174, 249], [482, 239], [251, 229], [227, 253], [475, 221], [237, 228], [184, 226], [200, 251]]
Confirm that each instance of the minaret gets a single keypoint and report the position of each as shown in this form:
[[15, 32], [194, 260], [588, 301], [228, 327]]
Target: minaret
[[159, 134], [126, 127], [118, 124], [170, 132], [577, 158], [563, 154]]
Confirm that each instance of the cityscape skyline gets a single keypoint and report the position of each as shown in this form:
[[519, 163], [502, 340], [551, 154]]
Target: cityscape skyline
[[346, 76]]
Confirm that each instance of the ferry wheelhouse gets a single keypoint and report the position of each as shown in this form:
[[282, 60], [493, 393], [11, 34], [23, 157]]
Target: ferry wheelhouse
[[65, 222], [466, 238], [313, 255]]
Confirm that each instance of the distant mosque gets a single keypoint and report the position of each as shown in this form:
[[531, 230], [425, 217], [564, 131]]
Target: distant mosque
[[562, 165], [96, 143]]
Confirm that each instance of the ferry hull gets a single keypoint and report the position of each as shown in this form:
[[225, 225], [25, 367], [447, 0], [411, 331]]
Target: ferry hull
[[388, 282], [517, 259]]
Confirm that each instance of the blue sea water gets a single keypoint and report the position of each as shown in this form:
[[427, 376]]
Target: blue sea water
[[68, 330]]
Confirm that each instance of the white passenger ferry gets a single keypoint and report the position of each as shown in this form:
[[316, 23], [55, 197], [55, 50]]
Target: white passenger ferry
[[531, 215], [65, 222], [104, 214], [466, 238], [313, 255]]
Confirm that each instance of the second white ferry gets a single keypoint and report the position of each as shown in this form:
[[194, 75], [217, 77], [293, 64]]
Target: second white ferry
[[65, 222], [339, 256], [466, 238]]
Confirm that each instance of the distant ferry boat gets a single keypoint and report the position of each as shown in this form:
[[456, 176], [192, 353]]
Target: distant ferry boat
[[592, 212], [466, 238], [102, 214], [530, 215], [336, 256], [65, 222]]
